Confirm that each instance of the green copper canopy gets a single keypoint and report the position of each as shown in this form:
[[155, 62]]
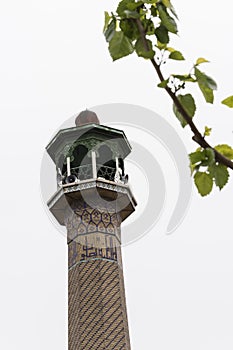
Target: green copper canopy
[[91, 135]]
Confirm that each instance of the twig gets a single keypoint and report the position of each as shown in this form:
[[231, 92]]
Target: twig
[[197, 137]]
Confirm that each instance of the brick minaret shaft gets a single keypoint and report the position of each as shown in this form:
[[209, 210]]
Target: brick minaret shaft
[[97, 309]]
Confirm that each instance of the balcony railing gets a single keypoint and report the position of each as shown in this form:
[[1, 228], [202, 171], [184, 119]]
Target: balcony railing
[[85, 172], [91, 171]]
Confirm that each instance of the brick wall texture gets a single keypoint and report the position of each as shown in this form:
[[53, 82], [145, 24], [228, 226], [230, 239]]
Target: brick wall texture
[[97, 316]]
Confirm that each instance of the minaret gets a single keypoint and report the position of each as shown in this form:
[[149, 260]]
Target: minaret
[[92, 199]]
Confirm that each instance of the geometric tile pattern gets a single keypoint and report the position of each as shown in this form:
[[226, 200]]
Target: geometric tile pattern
[[84, 219], [97, 307]]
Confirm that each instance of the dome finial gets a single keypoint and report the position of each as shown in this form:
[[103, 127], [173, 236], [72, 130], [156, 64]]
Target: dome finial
[[86, 117]]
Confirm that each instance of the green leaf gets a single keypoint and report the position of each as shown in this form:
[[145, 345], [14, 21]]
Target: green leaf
[[154, 11], [228, 102], [162, 34], [107, 19], [163, 83], [207, 131], [176, 55], [170, 49], [203, 182], [209, 157], [199, 149], [122, 6], [134, 5], [131, 14], [110, 30], [120, 46], [188, 103], [205, 80], [225, 150], [167, 3], [206, 85], [200, 60], [152, 2], [207, 93], [220, 174], [141, 51], [203, 157], [193, 167], [130, 29], [174, 12], [196, 157], [149, 27], [160, 45], [167, 20], [185, 77]]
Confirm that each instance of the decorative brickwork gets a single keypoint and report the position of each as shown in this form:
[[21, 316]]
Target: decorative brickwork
[[97, 311], [86, 222], [97, 307]]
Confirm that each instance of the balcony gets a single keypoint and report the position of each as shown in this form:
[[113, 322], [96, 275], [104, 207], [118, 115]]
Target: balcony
[[85, 172]]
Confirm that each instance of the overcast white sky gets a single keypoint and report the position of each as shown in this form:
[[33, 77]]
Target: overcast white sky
[[54, 63]]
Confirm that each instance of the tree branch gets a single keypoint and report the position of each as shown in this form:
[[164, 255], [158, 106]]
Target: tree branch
[[197, 137]]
